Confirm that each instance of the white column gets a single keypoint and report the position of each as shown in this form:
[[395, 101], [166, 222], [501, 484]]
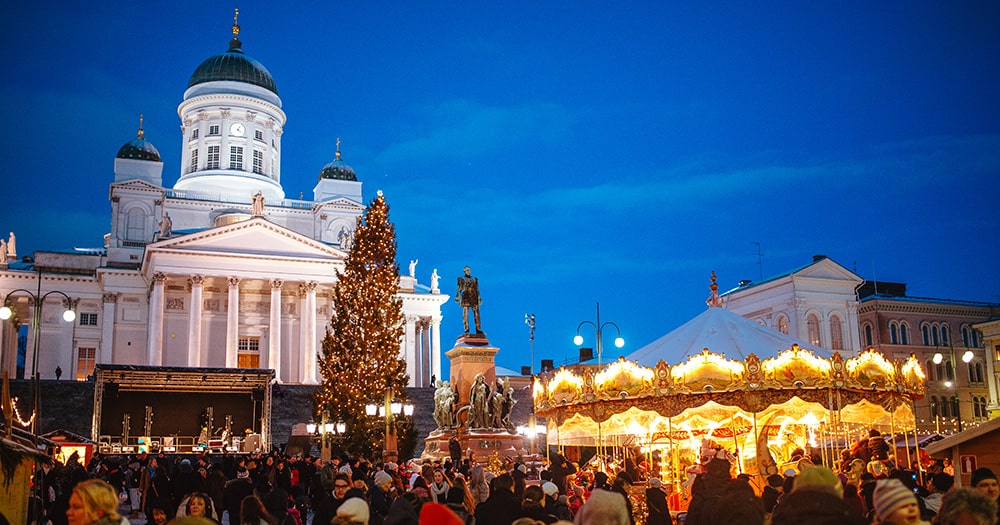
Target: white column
[[410, 349], [274, 331], [436, 346], [309, 334], [154, 352], [233, 323], [108, 328], [194, 323]]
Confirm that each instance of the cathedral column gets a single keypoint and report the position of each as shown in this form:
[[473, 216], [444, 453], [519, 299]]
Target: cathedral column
[[309, 334], [274, 339], [194, 322], [410, 349], [233, 323], [154, 349], [108, 328], [436, 347]]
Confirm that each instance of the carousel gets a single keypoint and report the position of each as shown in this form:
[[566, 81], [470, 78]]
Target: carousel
[[757, 411]]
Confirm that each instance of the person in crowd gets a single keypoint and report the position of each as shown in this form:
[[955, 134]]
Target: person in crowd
[[816, 499], [985, 481], [576, 500], [186, 481], [252, 512], [623, 485], [159, 516], [854, 500], [477, 484], [354, 511], [772, 491], [706, 491], [328, 509], [94, 502], [235, 491], [198, 504], [455, 501], [405, 510], [439, 487], [657, 511], [895, 504], [533, 505], [937, 486], [379, 496], [502, 507], [739, 505], [963, 506], [603, 508]]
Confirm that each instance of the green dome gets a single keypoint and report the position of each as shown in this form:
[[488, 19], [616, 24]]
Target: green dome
[[139, 149], [234, 65]]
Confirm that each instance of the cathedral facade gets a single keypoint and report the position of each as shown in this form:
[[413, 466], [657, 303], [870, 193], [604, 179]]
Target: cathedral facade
[[219, 270]]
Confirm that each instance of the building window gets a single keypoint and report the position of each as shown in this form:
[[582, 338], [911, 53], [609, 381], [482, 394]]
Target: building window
[[194, 133], [945, 337], [965, 336], [904, 334], [949, 372], [85, 358], [893, 333], [934, 406], [258, 135], [869, 336], [213, 158], [235, 157], [248, 352], [975, 372], [812, 325], [836, 333], [194, 160], [934, 336], [783, 325], [88, 319], [258, 161], [135, 225], [945, 408], [213, 129], [977, 338], [925, 334]]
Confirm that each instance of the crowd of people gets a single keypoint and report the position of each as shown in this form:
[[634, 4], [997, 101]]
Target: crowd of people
[[274, 489]]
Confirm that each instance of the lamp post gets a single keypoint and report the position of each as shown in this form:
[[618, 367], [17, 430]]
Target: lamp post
[[38, 299], [326, 432], [953, 381], [390, 410], [599, 327]]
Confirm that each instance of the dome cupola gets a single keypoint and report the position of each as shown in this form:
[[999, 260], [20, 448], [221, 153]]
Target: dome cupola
[[139, 148], [338, 169], [234, 65]]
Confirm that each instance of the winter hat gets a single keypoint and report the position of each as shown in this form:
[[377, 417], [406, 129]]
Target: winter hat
[[522, 468], [890, 495], [242, 473], [550, 489], [354, 509], [603, 508], [655, 483], [982, 473], [819, 478], [437, 514], [382, 478]]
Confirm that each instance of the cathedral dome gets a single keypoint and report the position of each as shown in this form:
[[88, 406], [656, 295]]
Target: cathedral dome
[[139, 148], [235, 66], [338, 169]]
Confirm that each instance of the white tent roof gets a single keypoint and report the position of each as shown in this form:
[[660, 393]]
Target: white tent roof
[[721, 332]]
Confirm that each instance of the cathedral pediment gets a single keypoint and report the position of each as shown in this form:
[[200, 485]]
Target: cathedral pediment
[[135, 184], [828, 269]]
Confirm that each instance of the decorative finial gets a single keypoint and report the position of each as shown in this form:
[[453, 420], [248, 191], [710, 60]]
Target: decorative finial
[[379, 193], [140, 126], [236, 23], [338, 148], [714, 301]]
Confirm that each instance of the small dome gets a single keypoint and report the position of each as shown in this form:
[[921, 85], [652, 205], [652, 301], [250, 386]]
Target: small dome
[[338, 169], [234, 65], [139, 148]]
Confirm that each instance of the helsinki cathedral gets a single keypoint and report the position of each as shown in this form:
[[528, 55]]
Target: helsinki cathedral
[[220, 270]]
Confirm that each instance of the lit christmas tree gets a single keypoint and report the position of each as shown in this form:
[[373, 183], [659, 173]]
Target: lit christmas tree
[[360, 353]]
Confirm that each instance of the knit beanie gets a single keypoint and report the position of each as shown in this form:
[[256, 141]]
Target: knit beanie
[[982, 473], [603, 508], [890, 495], [437, 514], [382, 478], [354, 509], [819, 477]]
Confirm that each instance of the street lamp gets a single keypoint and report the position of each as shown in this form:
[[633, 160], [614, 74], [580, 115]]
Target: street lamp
[[966, 358], [38, 299], [599, 327], [326, 432], [391, 409]]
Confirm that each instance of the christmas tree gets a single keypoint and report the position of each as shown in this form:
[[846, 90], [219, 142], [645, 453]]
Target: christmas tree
[[360, 352]]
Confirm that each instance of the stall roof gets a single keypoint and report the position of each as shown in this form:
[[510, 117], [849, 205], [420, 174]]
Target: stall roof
[[723, 332], [957, 439]]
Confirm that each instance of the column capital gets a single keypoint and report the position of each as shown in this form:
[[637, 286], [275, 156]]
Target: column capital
[[276, 284], [196, 279], [234, 282], [111, 297], [159, 277]]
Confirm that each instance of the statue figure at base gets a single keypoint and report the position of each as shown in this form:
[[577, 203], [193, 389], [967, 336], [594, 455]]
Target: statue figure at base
[[443, 398], [467, 296], [479, 403]]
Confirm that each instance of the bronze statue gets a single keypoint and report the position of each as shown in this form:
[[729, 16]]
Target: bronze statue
[[467, 296]]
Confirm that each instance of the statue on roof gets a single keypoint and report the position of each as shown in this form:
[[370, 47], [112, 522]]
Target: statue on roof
[[257, 206], [11, 247], [434, 280], [166, 226], [413, 267]]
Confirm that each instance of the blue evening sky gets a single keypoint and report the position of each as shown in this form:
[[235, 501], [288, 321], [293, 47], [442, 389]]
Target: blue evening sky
[[569, 152]]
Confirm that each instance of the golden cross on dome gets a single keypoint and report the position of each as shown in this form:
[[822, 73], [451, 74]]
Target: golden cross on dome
[[236, 23], [140, 126], [338, 148]]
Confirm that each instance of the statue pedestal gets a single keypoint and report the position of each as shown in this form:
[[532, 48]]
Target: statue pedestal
[[484, 443], [471, 355]]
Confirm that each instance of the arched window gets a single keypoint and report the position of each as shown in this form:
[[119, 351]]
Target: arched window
[[930, 367], [949, 372], [934, 406], [904, 334], [783, 325], [966, 340], [956, 408], [983, 413], [975, 372], [925, 332], [977, 338], [135, 225], [812, 324], [836, 333], [945, 336], [934, 335], [975, 407], [869, 337], [945, 406], [939, 372], [893, 333]]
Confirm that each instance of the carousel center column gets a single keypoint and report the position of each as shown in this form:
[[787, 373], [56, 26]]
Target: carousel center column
[[309, 334], [233, 323], [154, 350], [274, 340], [194, 323]]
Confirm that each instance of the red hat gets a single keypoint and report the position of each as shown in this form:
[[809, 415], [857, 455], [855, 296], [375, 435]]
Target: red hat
[[437, 514]]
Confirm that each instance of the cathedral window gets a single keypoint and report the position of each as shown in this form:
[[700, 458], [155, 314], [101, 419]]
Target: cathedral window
[[258, 135], [194, 133], [213, 129], [213, 158], [258, 161], [783, 325], [135, 225], [812, 324], [248, 352], [235, 157], [925, 333], [85, 359], [194, 160], [836, 333], [88, 319]]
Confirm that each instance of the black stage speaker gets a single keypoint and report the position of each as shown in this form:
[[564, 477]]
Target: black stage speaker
[[257, 394], [111, 389]]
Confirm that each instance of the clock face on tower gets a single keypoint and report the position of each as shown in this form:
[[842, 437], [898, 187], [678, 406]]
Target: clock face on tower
[[237, 129]]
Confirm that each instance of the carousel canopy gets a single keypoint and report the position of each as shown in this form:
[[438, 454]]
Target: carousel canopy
[[722, 332]]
